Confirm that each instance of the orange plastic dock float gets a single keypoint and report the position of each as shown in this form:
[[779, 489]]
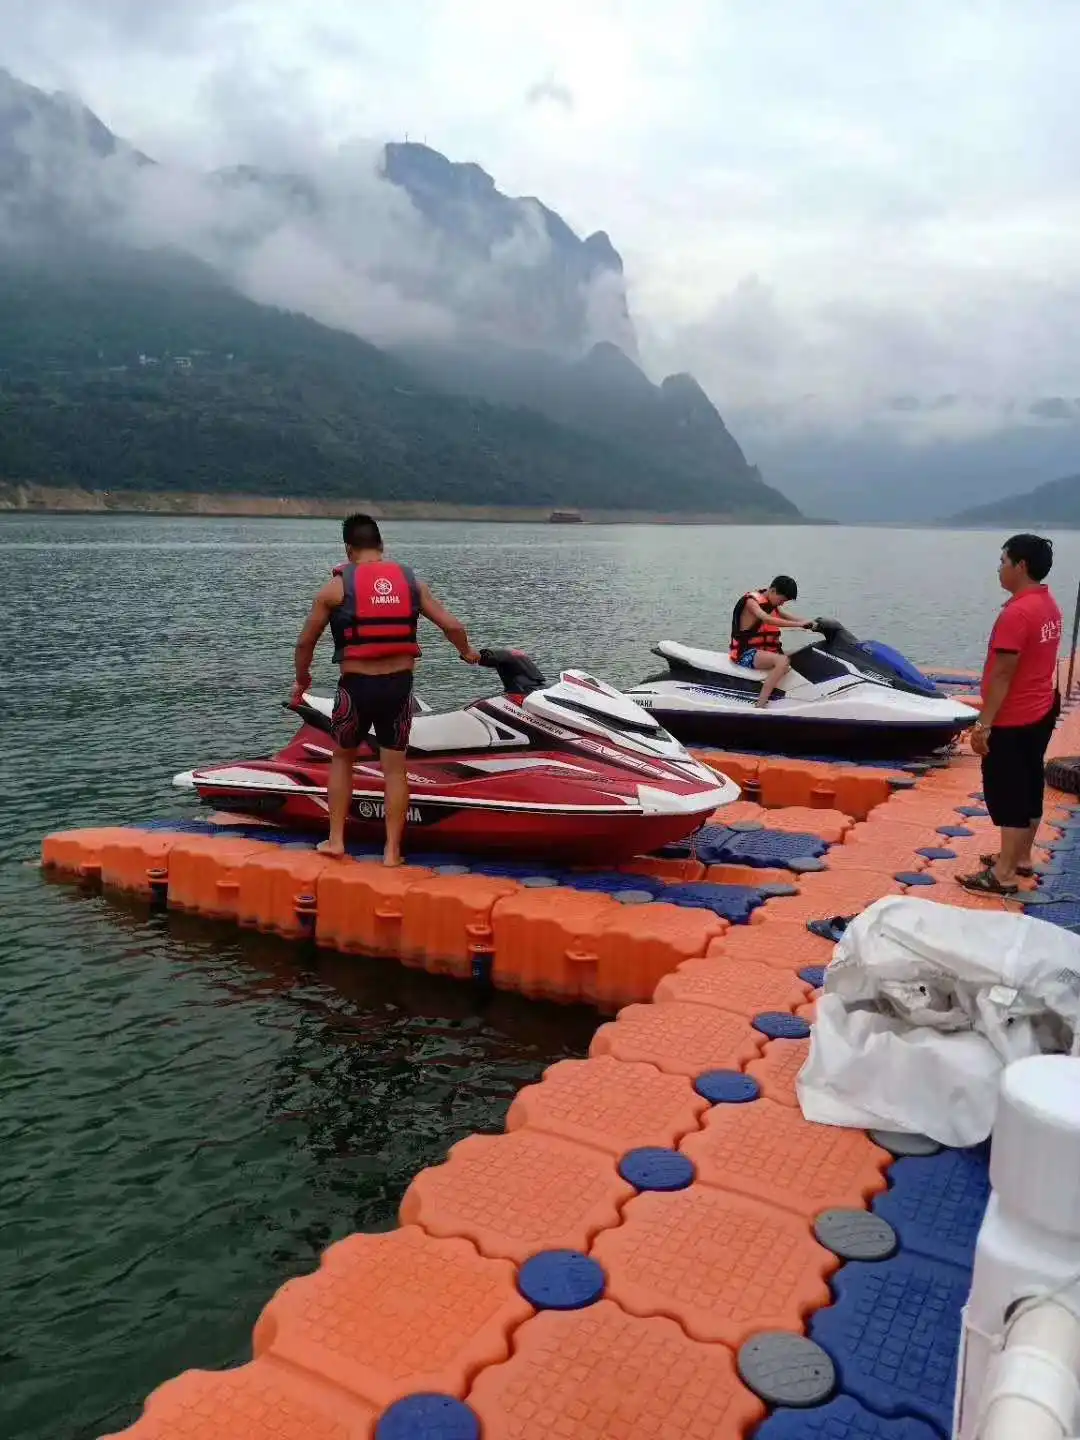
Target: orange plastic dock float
[[651, 1246]]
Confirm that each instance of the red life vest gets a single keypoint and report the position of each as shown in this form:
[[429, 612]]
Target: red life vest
[[379, 613], [759, 635]]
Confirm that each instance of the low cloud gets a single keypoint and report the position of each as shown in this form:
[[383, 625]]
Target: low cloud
[[822, 208], [550, 92], [951, 362], [329, 235]]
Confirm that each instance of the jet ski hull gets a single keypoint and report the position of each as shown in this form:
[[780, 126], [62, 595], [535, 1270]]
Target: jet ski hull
[[438, 825], [823, 705], [776, 733]]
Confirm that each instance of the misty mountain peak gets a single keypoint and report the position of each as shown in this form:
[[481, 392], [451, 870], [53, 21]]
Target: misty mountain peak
[[59, 164], [561, 293], [419, 168], [471, 262], [599, 245], [608, 364], [684, 391], [31, 120], [437, 185], [691, 411]]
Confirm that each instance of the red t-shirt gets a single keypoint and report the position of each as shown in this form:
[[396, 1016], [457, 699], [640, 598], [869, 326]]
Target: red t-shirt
[[1030, 625]]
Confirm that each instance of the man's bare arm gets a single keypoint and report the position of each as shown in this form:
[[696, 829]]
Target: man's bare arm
[[997, 687], [449, 624], [323, 606], [786, 618], [777, 617]]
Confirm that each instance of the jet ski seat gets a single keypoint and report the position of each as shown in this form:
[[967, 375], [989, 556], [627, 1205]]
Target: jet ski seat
[[716, 669], [456, 730], [322, 705], [719, 662], [709, 662]]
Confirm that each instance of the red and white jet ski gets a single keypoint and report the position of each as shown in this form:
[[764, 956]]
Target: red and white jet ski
[[572, 770]]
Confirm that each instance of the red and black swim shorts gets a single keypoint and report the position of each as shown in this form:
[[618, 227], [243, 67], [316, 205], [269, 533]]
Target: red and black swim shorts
[[383, 703]]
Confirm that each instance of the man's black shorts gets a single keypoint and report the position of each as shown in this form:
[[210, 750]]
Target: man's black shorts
[[383, 703], [1012, 773]]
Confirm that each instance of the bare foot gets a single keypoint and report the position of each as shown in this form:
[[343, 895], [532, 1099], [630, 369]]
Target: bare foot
[[332, 849], [392, 861]]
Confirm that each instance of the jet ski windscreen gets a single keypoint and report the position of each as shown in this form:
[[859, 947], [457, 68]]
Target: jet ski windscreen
[[876, 660], [886, 655]]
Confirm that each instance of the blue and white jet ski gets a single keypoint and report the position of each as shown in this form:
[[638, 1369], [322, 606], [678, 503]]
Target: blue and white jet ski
[[841, 697]]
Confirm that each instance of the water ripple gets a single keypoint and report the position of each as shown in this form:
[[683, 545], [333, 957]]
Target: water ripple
[[190, 1114]]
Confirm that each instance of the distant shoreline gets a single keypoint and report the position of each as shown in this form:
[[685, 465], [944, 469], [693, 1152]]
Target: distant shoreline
[[63, 500], [20, 499]]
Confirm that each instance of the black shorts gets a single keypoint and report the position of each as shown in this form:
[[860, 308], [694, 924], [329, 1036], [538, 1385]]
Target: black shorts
[[383, 703], [1012, 773]]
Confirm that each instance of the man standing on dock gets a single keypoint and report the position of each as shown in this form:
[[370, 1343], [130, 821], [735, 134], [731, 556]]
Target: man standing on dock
[[372, 606], [1020, 706]]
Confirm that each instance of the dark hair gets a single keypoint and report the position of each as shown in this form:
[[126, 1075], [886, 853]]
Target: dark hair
[[784, 585], [1035, 552], [361, 532]]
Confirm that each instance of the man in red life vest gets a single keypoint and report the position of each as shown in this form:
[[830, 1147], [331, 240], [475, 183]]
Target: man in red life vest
[[1020, 706], [756, 623], [372, 606]]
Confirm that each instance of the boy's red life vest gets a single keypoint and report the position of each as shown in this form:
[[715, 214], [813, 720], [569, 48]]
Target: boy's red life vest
[[759, 635], [378, 616]]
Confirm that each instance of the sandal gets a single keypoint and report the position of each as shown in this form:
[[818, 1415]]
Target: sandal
[[1024, 871], [831, 929], [985, 882]]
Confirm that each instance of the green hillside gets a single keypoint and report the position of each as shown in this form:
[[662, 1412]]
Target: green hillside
[[1055, 503], [130, 372]]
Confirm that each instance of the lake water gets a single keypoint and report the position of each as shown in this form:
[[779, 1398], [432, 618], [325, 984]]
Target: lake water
[[188, 1115]]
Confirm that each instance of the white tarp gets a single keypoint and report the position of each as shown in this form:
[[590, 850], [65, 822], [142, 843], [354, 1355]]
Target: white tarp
[[922, 1007]]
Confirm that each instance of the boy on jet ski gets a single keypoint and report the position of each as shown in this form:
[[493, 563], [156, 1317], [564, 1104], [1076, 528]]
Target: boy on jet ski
[[756, 623]]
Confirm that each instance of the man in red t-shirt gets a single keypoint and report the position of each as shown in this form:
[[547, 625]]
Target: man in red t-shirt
[[1020, 705]]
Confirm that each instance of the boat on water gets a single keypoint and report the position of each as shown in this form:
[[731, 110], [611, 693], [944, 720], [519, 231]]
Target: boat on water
[[841, 697], [572, 770]]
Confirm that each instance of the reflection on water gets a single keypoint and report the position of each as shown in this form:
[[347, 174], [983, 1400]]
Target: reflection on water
[[192, 1113]]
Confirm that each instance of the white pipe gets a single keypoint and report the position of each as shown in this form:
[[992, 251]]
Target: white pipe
[[1033, 1391]]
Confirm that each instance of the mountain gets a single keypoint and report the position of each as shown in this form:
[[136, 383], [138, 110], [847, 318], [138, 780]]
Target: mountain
[[603, 394], [495, 269], [142, 372], [56, 161], [922, 461], [562, 293], [505, 269], [171, 340], [575, 360], [1055, 503]]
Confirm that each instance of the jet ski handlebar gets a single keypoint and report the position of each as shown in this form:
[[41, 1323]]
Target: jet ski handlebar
[[518, 672], [833, 630]]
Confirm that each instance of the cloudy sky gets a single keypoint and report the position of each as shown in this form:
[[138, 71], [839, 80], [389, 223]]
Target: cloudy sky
[[836, 198]]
